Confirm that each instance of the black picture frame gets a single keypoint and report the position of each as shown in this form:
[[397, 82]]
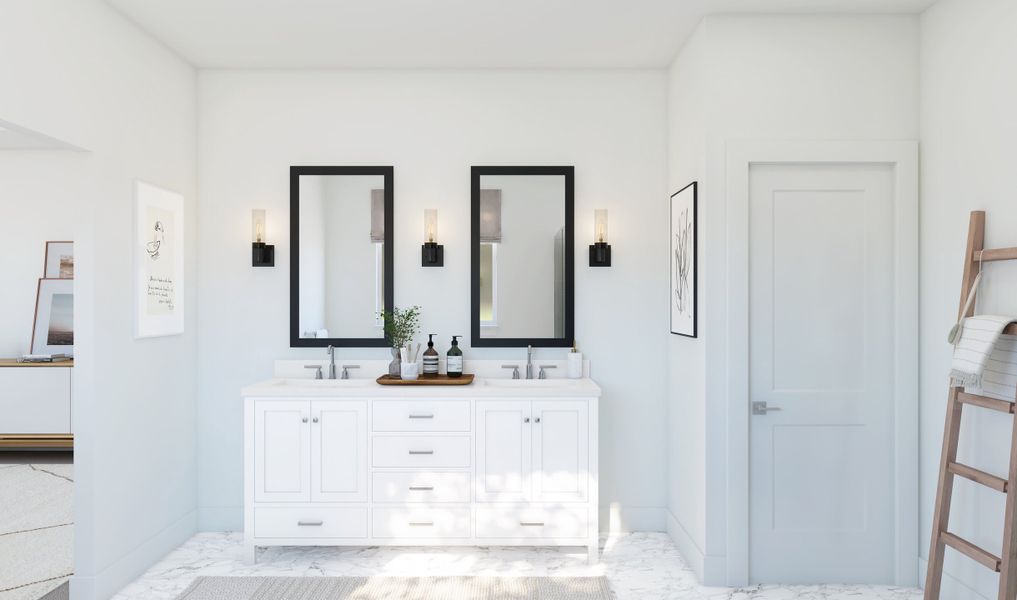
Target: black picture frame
[[695, 261], [477, 341], [295, 173]]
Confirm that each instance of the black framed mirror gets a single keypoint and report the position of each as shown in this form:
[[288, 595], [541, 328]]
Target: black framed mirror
[[522, 256], [341, 224]]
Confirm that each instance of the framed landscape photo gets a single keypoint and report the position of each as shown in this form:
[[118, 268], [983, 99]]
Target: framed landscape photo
[[59, 263], [158, 261], [53, 329], [684, 260]]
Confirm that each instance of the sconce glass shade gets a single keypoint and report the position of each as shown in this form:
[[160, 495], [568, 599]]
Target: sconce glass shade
[[430, 225], [258, 226], [600, 225]]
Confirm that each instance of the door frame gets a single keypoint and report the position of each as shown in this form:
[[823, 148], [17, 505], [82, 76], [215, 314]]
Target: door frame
[[902, 156]]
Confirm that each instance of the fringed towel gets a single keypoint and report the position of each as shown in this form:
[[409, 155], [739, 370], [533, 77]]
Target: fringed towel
[[971, 353]]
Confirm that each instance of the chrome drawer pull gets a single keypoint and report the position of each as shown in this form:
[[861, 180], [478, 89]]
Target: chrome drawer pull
[[421, 488], [421, 416], [526, 524], [421, 451], [421, 524], [310, 523]]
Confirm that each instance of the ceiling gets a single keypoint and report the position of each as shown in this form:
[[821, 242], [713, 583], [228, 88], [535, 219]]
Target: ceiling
[[448, 33]]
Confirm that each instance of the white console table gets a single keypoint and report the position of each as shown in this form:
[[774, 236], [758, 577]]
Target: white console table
[[35, 404]]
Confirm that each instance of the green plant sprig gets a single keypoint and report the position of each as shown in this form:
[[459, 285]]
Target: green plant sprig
[[401, 325]]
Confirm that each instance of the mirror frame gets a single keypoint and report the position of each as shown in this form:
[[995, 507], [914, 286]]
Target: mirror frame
[[295, 172], [555, 342]]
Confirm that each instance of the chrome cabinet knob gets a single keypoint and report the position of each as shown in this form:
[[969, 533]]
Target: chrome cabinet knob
[[537, 420], [526, 420], [303, 419], [314, 420]]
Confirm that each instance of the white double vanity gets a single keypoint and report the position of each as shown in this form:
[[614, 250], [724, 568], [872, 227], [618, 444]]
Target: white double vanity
[[500, 462]]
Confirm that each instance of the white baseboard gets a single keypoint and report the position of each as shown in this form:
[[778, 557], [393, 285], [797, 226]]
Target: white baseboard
[[710, 570], [110, 580], [221, 518], [952, 588]]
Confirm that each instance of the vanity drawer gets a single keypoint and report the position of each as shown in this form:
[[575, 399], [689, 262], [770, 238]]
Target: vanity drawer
[[310, 522], [422, 522], [420, 486], [532, 522], [421, 415], [421, 451]]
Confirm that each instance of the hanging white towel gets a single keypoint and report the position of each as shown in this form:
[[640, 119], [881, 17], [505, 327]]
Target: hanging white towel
[[978, 338]]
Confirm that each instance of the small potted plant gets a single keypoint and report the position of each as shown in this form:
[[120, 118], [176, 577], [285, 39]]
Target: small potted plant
[[401, 326]]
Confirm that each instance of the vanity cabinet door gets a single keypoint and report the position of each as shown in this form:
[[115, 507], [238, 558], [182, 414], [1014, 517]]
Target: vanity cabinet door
[[560, 450], [339, 451], [504, 430], [282, 461]]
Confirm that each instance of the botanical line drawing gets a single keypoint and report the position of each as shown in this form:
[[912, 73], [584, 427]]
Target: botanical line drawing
[[157, 239], [683, 262]]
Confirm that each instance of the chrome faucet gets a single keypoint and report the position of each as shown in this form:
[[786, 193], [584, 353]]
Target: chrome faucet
[[529, 362], [543, 371], [346, 370], [331, 362]]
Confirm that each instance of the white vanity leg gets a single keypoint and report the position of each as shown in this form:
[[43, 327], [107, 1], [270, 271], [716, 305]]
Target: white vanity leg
[[250, 553], [593, 552]]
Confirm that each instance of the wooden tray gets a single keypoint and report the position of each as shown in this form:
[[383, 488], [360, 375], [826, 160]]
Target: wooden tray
[[466, 379]]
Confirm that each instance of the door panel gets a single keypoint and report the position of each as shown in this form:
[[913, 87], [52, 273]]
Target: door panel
[[821, 343], [560, 450], [281, 451], [504, 434], [339, 451]]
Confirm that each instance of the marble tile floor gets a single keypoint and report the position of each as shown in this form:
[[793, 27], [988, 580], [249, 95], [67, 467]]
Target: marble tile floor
[[640, 566], [36, 523]]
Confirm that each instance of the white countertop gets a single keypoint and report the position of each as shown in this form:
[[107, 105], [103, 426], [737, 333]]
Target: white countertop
[[482, 387]]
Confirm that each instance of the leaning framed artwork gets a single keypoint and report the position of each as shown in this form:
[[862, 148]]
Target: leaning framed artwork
[[53, 329], [158, 261], [684, 261], [59, 262]]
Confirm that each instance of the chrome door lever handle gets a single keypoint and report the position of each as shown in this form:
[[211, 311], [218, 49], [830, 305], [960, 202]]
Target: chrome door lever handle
[[760, 408]]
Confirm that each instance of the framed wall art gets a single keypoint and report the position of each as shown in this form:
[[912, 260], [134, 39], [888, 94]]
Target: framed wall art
[[684, 261], [158, 261], [59, 262], [53, 329]]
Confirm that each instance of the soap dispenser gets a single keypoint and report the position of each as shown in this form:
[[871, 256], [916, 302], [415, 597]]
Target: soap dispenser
[[454, 360], [430, 358]]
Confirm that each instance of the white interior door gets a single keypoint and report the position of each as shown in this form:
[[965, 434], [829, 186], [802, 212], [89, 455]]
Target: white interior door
[[821, 358], [282, 470], [339, 451], [504, 434]]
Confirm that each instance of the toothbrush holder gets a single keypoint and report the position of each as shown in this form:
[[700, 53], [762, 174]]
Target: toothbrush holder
[[409, 371]]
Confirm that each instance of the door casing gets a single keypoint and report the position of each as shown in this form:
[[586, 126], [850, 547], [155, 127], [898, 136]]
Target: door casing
[[902, 156]]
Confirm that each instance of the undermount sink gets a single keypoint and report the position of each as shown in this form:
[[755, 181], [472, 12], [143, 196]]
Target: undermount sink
[[323, 383], [530, 383]]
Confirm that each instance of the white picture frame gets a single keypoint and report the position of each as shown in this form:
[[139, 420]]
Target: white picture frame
[[684, 292], [53, 328], [158, 251], [59, 262]]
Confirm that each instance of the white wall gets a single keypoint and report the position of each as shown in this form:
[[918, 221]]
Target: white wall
[[761, 78], [432, 126], [969, 131], [78, 72]]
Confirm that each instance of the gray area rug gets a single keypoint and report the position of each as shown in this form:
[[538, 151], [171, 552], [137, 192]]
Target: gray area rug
[[36, 529], [398, 588]]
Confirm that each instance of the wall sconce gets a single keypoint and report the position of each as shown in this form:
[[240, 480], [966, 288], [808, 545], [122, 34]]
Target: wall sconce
[[600, 250], [432, 254], [262, 254]]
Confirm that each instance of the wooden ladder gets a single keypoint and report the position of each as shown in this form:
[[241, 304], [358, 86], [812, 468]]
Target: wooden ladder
[[1006, 564]]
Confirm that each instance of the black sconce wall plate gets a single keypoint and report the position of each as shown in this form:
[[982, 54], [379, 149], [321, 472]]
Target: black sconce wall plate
[[262, 254], [600, 254], [432, 254]]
